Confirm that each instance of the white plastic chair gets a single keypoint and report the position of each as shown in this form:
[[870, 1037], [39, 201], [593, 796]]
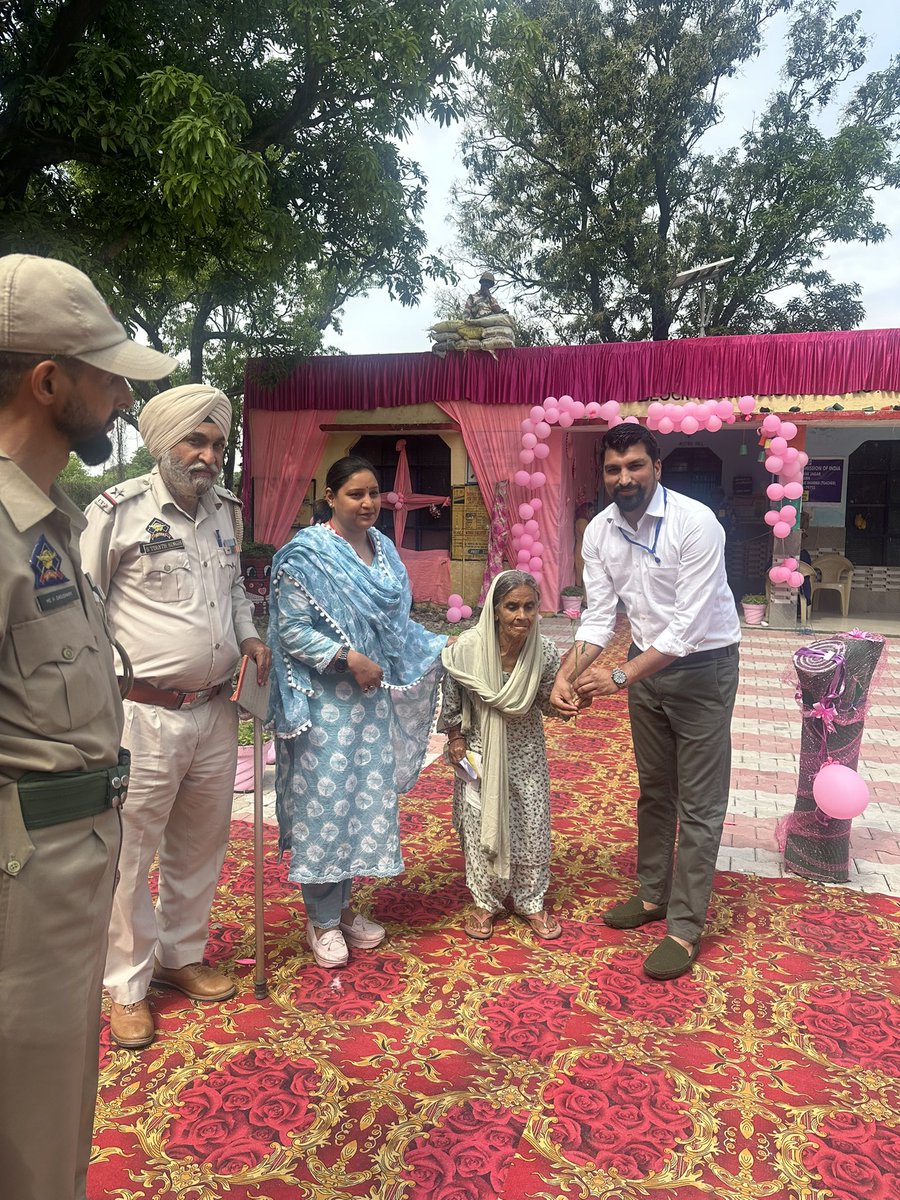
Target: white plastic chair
[[833, 573]]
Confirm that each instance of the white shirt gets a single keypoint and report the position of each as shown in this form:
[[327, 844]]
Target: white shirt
[[172, 582], [672, 583]]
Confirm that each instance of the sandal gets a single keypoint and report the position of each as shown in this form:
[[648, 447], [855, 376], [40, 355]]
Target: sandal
[[543, 924], [479, 924]]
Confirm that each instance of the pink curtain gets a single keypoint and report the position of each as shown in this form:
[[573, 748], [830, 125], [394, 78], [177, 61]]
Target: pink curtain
[[405, 499], [493, 438], [287, 447], [499, 537]]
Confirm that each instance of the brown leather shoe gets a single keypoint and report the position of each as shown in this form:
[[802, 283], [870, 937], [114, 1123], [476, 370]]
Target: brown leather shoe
[[131, 1025], [196, 980]]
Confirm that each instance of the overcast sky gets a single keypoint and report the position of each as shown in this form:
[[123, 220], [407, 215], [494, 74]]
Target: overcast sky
[[377, 325]]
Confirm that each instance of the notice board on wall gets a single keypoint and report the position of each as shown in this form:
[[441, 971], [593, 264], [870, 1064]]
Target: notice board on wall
[[471, 524], [824, 480]]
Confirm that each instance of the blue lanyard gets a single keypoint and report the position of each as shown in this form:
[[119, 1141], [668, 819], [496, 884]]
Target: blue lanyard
[[651, 550]]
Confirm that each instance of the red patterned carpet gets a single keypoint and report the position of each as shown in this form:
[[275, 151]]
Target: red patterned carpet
[[436, 1068]]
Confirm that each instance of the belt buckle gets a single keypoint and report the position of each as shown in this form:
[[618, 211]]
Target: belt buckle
[[189, 699]]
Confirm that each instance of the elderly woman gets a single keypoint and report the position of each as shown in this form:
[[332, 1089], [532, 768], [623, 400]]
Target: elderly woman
[[353, 696], [498, 683]]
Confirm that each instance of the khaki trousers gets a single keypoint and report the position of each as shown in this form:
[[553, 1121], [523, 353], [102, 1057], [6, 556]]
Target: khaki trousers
[[179, 804], [54, 917], [681, 729]]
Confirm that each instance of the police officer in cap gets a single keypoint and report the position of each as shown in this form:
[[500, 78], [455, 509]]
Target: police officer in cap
[[63, 362]]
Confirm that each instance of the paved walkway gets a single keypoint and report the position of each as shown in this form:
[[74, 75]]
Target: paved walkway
[[766, 740]]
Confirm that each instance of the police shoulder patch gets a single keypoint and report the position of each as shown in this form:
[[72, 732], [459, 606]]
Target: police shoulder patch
[[109, 500], [224, 494]]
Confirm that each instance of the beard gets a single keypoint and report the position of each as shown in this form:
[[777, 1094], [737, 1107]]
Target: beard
[[630, 500], [92, 444], [93, 449], [188, 481]]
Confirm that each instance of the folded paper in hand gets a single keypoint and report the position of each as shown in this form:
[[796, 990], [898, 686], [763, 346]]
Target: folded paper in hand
[[247, 692]]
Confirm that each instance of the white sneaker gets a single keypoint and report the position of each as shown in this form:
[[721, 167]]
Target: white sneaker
[[362, 934], [329, 950]]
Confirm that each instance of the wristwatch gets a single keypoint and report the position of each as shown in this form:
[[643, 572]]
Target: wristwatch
[[339, 662], [619, 678]]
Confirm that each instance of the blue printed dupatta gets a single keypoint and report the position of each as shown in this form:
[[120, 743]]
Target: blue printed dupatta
[[366, 609]]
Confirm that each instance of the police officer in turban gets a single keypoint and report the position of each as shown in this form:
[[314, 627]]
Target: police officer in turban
[[164, 550]]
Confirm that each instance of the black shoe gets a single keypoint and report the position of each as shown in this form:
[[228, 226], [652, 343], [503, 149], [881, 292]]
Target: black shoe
[[670, 959], [632, 914]]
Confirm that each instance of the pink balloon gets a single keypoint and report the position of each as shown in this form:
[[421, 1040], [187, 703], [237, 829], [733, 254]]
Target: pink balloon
[[522, 478], [537, 549], [537, 577], [538, 479], [772, 517], [746, 404], [533, 528], [527, 425], [788, 513], [773, 464], [665, 425], [551, 416], [565, 403], [454, 615], [536, 505], [526, 457], [535, 564], [609, 409], [523, 556], [778, 574], [782, 529], [713, 423], [466, 612], [630, 421], [526, 541], [550, 402], [724, 410], [577, 409], [518, 529], [775, 491], [526, 511], [542, 450], [790, 456], [536, 414], [793, 491], [690, 409], [802, 458], [840, 792], [788, 430], [542, 429], [777, 445], [529, 441], [790, 563], [795, 579], [690, 425], [566, 419], [656, 409], [771, 424], [592, 410], [454, 601], [614, 421], [392, 497]]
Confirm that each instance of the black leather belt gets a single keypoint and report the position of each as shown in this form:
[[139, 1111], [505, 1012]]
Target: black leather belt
[[695, 659], [52, 797]]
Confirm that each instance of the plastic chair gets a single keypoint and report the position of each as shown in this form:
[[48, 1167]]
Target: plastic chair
[[833, 573]]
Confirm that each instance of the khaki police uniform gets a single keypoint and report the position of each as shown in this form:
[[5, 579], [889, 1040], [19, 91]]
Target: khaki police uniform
[[176, 603], [60, 713]]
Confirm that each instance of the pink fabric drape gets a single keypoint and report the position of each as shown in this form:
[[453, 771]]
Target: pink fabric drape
[[493, 438], [286, 451], [814, 364], [407, 499], [498, 539]]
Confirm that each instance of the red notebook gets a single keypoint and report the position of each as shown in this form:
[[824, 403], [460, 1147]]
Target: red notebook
[[247, 693]]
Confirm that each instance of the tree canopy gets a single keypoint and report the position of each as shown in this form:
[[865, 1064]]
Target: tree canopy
[[229, 174], [590, 188]]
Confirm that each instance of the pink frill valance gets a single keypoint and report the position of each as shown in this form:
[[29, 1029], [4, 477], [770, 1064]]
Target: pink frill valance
[[828, 364]]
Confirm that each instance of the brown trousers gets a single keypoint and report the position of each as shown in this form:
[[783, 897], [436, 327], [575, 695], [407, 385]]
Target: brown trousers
[[681, 729], [54, 916]]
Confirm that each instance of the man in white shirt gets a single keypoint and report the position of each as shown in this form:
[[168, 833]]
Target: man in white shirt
[[662, 555], [163, 549]]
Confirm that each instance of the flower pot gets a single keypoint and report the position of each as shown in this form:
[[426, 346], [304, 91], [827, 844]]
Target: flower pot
[[243, 775], [571, 606], [753, 613]]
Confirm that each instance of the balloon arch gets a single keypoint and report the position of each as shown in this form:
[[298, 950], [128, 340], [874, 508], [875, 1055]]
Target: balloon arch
[[783, 460]]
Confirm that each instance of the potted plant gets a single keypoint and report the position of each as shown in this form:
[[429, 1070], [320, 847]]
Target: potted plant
[[572, 597], [754, 607]]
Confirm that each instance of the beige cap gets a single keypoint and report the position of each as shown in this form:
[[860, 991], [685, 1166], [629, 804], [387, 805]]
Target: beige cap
[[50, 307]]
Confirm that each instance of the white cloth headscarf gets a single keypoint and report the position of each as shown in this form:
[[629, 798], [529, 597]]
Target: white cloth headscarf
[[172, 415], [474, 662]]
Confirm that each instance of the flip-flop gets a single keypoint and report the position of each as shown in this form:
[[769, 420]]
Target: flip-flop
[[479, 926], [543, 924]]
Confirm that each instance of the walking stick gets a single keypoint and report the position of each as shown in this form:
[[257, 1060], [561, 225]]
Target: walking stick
[[259, 980]]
